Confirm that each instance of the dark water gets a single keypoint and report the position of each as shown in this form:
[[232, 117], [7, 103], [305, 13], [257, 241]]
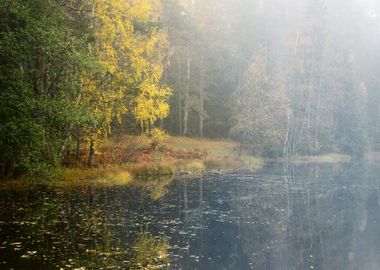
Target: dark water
[[284, 217]]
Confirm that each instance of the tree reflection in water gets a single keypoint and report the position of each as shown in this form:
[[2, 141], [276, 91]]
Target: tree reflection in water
[[44, 228], [284, 217]]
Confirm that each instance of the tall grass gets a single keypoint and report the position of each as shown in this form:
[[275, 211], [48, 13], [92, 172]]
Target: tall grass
[[105, 175], [152, 169]]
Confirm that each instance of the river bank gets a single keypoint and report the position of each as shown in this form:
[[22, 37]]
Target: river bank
[[123, 159], [128, 159]]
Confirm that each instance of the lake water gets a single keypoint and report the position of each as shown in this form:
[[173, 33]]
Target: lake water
[[283, 217]]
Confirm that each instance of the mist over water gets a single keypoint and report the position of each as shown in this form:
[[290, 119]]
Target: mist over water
[[131, 133], [299, 217]]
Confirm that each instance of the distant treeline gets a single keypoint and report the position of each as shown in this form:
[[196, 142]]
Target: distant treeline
[[282, 77]]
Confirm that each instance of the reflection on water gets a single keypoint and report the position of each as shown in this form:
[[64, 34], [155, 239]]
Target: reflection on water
[[285, 217]]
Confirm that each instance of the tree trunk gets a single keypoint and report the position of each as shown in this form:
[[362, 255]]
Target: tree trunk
[[78, 144], [201, 96], [2, 169], [377, 127], [186, 107], [310, 94], [185, 114], [9, 167], [240, 149], [91, 154], [179, 94], [318, 109]]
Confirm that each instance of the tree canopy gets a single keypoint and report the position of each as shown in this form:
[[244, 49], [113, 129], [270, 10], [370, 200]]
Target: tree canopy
[[282, 77]]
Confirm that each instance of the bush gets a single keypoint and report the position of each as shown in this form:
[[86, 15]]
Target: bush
[[158, 138]]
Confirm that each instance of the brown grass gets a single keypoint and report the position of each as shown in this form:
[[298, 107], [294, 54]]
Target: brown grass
[[212, 148], [123, 158], [151, 170], [214, 154]]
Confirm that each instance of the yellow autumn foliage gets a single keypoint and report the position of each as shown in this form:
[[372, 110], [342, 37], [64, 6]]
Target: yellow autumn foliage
[[131, 63]]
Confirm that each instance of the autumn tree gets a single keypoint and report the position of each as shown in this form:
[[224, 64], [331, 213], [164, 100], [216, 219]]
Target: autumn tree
[[128, 49], [260, 113], [69, 69]]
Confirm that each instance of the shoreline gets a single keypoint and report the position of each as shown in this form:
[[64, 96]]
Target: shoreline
[[179, 157]]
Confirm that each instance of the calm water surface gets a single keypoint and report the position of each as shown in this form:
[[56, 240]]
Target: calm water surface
[[283, 217]]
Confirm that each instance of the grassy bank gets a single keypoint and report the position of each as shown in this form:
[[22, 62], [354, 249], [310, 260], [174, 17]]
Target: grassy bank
[[125, 158], [217, 154]]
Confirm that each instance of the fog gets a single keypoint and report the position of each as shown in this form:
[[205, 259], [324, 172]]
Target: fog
[[189, 134], [279, 78], [285, 76]]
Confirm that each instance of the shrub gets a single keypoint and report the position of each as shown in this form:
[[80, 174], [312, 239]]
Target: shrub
[[158, 138]]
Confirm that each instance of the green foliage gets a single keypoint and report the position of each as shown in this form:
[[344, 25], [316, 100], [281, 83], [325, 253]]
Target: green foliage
[[40, 57], [261, 112], [64, 71], [82, 69]]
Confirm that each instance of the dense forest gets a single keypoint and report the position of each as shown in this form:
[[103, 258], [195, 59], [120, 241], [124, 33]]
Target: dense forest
[[280, 77]]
